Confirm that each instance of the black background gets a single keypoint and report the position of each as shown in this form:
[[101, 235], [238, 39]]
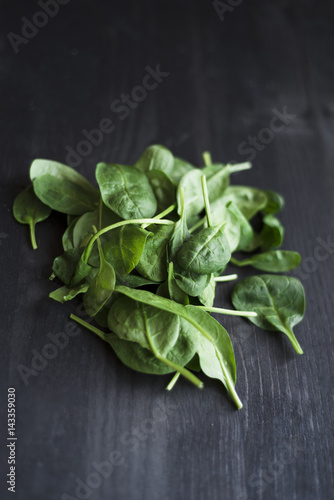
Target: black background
[[225, 79]]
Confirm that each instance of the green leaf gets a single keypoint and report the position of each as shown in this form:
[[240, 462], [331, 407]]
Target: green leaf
[[62, 172], [67, 238], [275, 202], [126, 191], [64, 293], [279, 302], [207, 297], [125, 248], [179, 169], [272, 233], [153, 261], [191, 283], [248, 199], [65, 265], [163, 188], [246, 230], [134, 281], [28, 209], [63, 195], [100, 288], [212, 339], [205, 252], [156, 157], [275, 261]]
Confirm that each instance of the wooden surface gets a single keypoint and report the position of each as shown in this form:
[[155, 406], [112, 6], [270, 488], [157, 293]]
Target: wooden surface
[[225, 79]]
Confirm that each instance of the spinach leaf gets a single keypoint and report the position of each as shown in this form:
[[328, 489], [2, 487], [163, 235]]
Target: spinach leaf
[[125, 248], [28, 209], [67, 239], [153, 261], [205, 252], [179, 169], [82, 270], [276, 261], [63, 195], [156, 157], [213, 339], [248, 199], [64, 293], [62, 172], [126, 191], [272, 233], [134, 281], [207, 297], [101, 287], [191, 283], [275, 202], [246, 230], [163, 188], [65, 265], [279, 302]]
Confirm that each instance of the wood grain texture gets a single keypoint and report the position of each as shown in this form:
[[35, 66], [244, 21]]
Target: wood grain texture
[[225, 79]]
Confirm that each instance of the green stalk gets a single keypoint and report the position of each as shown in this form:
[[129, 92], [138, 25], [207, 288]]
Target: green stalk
[[90, 327], [207, 158], [173, 381], [206, 201], [161, 215], [228, 277], [295, 342], [89, 247], [231, 312], [32, 235], [239, 167]]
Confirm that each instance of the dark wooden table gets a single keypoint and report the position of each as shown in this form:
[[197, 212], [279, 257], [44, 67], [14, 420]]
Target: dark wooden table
[[223, 78]]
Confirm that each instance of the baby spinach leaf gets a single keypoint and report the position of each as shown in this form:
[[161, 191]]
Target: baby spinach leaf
[[64, 293], [207, 297], [222, 366], [179, 169], [205, 252], [153, 261], [65, 265], [156, 157], [62, 172], [125, 248], [63, 195], [28, 209], [82, 270], [246, 230], [279, 302], [126, 191], [248, 199], [191, 283], [67, 238], [101, 287], [275, 202], [272, 233], [163, 188], [276, 261]]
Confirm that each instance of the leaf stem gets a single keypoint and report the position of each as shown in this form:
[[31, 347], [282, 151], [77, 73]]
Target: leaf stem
[[228, 277], [207, 158], [239, 167], [89, 247], [295, 342], [206, 201], [173, 381], [162, 214], [32, 234], [90, 327], [231, 312]]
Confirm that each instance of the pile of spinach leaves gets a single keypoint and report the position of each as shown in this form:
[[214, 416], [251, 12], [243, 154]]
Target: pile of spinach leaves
[[148, 247]]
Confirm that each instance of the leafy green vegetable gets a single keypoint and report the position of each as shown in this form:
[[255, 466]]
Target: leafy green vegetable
[[63, 195], [28, 209], [277, 261], [156, 157], [126, 191], [125, 248], [147, 250], [279, 302], [101, 287]]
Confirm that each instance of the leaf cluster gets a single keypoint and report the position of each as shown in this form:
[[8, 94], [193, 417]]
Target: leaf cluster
[[147, 248]]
